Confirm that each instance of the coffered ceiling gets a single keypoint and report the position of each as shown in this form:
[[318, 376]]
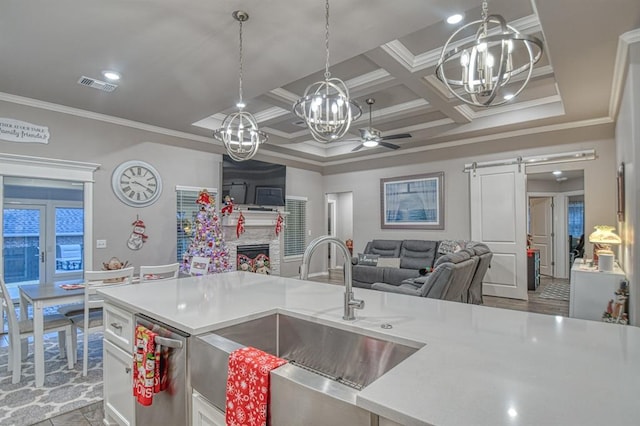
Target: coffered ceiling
[[179, 65]]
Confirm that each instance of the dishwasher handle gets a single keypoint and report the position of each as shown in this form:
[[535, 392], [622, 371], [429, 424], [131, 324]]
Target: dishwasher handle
[[169, 343]]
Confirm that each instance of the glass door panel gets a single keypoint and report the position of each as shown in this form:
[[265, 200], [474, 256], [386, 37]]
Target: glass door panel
[[67, 264], [24, 242]]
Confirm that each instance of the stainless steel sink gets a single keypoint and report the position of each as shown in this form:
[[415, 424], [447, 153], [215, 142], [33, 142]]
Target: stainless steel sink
[[327, 367]]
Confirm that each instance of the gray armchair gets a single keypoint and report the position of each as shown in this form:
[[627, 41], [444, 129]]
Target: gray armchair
[[449, 280], [484, 254]]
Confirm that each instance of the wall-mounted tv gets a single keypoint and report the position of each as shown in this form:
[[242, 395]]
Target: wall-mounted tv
[[254, 182]]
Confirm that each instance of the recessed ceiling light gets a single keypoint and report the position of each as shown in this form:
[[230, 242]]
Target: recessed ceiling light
[[557, 172], [111, 75], [454, 19]]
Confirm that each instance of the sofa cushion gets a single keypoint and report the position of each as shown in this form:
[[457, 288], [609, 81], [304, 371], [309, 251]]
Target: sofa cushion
[[395, 276], [388, 262], [368, 259], [418, 254], [384, 248], [451, 246], [453, 258], [367, 274]]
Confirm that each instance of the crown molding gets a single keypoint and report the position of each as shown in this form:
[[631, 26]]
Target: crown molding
[[35, 103], [620, 69], [481, 139]]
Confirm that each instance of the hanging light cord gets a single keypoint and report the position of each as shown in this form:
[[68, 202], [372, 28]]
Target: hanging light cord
[[240, 68], [485, 14], [327, 74]]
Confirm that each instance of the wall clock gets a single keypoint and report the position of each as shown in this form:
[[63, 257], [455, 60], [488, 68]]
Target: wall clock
[[136, 183]]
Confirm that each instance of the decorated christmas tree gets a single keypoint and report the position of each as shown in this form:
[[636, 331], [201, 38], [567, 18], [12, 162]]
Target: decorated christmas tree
[[208, 241]]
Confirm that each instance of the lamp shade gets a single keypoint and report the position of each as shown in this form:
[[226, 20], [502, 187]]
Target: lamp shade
[[604, 234]]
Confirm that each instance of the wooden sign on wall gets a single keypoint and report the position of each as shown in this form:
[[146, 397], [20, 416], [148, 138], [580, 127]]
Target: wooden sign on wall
[[21, 131]]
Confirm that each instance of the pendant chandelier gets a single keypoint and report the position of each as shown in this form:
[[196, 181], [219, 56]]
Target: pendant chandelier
[[239, 132], [489, 62], [325, 106]]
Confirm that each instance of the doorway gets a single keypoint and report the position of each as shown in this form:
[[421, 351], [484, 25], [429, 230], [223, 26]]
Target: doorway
[[339, 224], [43, 229], [564, 189]]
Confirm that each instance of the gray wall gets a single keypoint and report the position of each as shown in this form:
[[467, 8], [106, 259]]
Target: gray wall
[[627, 141], [179, 161], [598, 181]]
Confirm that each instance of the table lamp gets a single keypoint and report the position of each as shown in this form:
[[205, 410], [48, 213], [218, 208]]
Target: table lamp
[[602, 239]]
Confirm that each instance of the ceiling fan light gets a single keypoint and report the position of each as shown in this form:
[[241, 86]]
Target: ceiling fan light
[[370, 144]]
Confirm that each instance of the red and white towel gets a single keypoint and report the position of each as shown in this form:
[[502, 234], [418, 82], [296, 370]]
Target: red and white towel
[[248, 386], [150, 366]]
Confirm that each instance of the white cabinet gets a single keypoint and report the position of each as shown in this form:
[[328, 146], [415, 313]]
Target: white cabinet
[[591, 290], [205, 414], [118, 360]]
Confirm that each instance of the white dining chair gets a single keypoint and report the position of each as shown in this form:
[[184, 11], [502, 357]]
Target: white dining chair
[[23, 329], [91, 319], [159, 272]]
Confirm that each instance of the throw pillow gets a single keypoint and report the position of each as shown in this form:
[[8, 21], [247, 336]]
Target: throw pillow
[[451, 246], [368, 259], [389, 262]]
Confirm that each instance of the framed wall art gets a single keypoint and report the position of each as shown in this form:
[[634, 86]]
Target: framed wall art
[[412, 202]]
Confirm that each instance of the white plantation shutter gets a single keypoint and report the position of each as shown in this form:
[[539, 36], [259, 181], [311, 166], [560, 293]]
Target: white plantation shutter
[[186, 212], [295, 231]]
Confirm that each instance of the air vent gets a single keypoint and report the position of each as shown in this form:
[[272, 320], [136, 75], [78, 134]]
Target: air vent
[[97, 84], [300, 123]]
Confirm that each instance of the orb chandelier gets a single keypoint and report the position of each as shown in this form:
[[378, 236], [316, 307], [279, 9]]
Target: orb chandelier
[[489, 62], [325, 106], [239, 132]]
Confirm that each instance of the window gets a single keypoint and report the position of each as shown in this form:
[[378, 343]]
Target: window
[[576, 218], [295, 231], [186, 212]]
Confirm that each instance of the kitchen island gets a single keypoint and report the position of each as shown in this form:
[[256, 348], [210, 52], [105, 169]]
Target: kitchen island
[[478, 366]]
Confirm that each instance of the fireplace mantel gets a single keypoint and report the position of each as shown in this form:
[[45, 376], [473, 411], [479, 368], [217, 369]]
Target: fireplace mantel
[[259, 228], [253, 218]]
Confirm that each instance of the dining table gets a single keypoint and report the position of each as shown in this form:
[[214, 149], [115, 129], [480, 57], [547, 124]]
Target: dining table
[[41, 296]]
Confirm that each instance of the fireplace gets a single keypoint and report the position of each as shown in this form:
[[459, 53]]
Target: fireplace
[[253, 258]]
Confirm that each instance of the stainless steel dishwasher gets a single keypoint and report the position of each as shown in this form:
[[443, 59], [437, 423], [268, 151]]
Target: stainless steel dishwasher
[[171, 406]]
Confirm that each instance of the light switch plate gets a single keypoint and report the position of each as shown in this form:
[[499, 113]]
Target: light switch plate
[[101, 243]]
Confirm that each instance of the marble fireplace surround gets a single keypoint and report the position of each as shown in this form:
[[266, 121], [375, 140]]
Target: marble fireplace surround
[[259, 228]]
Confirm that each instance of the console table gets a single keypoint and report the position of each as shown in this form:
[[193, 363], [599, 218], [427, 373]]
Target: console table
[[592, 289]]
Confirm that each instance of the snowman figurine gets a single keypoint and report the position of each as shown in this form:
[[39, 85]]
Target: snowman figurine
[[137, 237]]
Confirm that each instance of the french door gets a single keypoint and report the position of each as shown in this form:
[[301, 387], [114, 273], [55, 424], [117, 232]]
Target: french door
[[43, 231], [24, 237]]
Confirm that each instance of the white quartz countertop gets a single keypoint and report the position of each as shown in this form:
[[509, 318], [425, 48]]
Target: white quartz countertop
[[479, 365]]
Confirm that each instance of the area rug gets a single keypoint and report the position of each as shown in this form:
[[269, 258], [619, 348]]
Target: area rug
[[64, 390], [557, 291]]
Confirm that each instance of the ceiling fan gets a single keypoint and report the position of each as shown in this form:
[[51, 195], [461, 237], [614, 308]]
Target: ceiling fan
[[371, 137]]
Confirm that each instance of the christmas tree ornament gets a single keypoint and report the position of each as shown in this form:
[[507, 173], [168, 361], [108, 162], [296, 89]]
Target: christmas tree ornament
[[137, 237]]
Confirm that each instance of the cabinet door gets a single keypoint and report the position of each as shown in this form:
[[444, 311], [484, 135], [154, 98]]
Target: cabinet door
[[118, 394], [205, 414]]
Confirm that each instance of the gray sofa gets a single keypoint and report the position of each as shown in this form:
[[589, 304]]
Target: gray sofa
[[450, 282], [450, 279], [413, 254]]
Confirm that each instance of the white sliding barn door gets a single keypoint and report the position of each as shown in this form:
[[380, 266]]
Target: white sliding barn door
[[498, 219]]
